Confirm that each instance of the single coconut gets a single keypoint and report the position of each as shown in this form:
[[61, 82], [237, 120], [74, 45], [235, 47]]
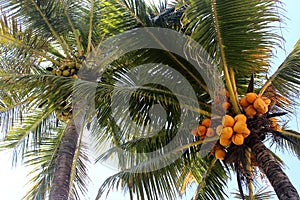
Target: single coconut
[[251, 97], [227, 121], [227, 132], [206, 122], [220, 154], [238, 139]]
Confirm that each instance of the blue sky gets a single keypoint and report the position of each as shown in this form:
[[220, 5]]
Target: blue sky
[[13, 180]]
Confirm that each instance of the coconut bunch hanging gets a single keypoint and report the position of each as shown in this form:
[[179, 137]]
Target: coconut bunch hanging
[[204, 130], [64, 113], [68, 69], [254, 104]]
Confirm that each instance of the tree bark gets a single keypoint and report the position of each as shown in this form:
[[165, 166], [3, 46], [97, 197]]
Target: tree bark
[[61, 180], [279, 180]]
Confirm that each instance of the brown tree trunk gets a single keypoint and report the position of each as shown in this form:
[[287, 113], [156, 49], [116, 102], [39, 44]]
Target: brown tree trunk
[[61, 180], [279, 180]]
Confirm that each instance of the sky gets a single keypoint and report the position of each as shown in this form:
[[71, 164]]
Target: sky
[[12, 180]]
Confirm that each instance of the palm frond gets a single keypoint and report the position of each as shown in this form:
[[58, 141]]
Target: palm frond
[[28, 134], [289, 142], [43, 161], [238, 32], [261, 194], [211, 176], [51, 22], [22, 43], [286, 79], [154, 185]]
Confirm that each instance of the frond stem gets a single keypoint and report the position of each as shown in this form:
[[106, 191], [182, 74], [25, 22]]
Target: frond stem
[[213, 139], [180, 63], [229, 84], [269, 81], [63, 44], [73, 29], [204, 177], [90, 28]]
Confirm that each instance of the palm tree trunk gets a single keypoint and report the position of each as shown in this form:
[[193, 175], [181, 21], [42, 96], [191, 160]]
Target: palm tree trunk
[[279, 180], [61, 181]]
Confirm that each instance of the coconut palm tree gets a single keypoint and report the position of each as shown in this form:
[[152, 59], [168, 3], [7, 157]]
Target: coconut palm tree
[[44, 125]]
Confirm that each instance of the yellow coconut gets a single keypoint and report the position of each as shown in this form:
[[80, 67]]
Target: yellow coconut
[[220, 154], [206, 122], [194, 132], [250, 111], [219, 129], [240, 127], [227, 121], [266, 100], [58, 72], [251, 97], [240, 117], [201, 130], [226, 105], [260, 106], [244, 103], [227, 132], [66, 73], [225, 142], [238, 139], [246, 133]]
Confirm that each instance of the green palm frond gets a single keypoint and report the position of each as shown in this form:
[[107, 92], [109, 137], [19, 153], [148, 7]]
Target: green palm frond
[[236, 33], [261, 194], [118, 16], [286, 79], [160, 184], [163, 183], [212, 177], [28, 93], [290, 141], [23, 44], [51, 20], [28, 134], [43, 161]]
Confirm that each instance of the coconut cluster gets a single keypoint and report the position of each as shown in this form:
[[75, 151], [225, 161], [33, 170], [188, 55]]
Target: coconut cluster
[[204, 129], [233, 130], [255, 105], [69, 69], [64, 113]]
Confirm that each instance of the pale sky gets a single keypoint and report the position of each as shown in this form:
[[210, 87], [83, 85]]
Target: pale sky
[[12, 180]]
